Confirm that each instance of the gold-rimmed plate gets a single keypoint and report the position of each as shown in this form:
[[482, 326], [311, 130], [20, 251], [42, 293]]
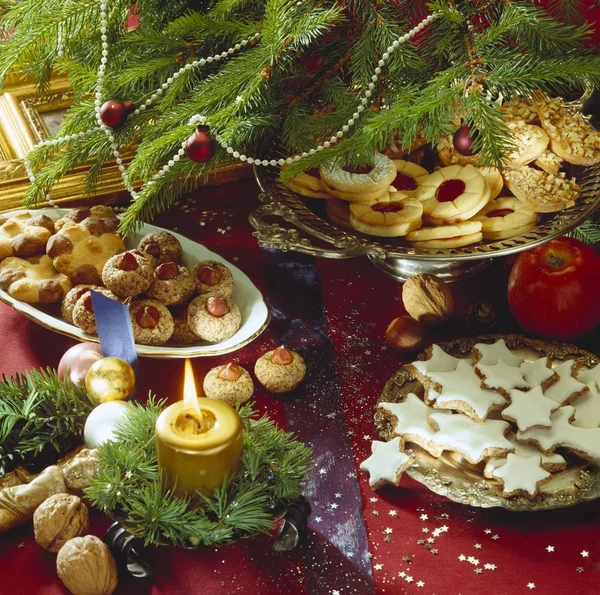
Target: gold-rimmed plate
[[250, 301], [460, 481]]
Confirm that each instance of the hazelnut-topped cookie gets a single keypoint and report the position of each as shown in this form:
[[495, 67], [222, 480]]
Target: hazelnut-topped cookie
[[171, 284], [83, 312], [212, 276], [280, 370], [163, 246], [182, 333], [72, 297], [214, 317], [229, 383], [128, 274], [151, 321]]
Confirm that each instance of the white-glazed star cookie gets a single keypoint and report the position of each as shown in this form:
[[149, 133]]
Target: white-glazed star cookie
[[489, 354], [521, 475], [587, 408], [386, 463], [587, 375], [501, 377], [539, 372], [567, 388], [439, 361], [530, 409]]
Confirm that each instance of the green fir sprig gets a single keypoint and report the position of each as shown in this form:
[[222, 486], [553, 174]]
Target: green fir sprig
[[129, 483], [39, 414]]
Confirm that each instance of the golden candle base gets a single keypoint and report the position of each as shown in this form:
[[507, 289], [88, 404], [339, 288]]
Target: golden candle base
[[196, 449]]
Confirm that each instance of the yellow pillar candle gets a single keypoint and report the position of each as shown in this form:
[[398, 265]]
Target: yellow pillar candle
[[198, 441]]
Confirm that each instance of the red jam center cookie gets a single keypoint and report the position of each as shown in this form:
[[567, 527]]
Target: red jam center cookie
[[499, 213], [404, 182], [450, 190], [387, 207]]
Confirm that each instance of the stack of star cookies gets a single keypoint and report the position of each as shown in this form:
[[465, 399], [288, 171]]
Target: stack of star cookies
[[517, 421], [459, 204]]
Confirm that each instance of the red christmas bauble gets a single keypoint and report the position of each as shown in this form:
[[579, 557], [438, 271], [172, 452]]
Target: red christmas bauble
[[199, 146], [463, 143], [114, 112]]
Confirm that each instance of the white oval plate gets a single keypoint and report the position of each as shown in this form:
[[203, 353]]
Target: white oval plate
[[250, 301]]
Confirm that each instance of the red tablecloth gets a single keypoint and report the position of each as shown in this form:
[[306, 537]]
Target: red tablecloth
[[399, 540]]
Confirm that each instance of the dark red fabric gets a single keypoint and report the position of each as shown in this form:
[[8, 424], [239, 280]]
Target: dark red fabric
[[339, 327]]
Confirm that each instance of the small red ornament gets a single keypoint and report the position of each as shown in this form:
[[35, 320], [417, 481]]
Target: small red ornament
[[199, 146], [114, 112], [463, 143]]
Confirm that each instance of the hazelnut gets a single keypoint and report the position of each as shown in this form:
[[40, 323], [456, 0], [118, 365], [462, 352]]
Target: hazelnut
[[209, 275], [166, 271], [217, 306], [147, 317], [427, 299], [126, 262], [282, 356], [229, 372], [58, 519], [153, 249], [404, 334]]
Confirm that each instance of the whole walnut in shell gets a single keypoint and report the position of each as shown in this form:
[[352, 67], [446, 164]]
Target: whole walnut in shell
[[86, 566], [58, 519], [427, 299]]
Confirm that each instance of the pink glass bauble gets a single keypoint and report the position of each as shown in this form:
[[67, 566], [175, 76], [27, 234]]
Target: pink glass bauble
[[462, 142], [77, 361]]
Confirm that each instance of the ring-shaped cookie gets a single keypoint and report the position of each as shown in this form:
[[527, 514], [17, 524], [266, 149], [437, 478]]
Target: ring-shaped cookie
[[443, 232], [449, 243], [374, 179], [391, 218], [506, 215], [453, 194], [494, 180], [366, 197], [339, 212], [308, 184], [407, 176]]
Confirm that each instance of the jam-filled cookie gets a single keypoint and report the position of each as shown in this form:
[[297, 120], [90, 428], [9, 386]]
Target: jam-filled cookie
[[453, 194], [162, 246], [214, 317], [83, 315], [446, 236], [338, 211], [128, 274], [172, 284], [229, 383], [407, 176], [212, 276], [505, 217], [494, 180], [308, 184], [151, 321], [391, 218], [280, 370]]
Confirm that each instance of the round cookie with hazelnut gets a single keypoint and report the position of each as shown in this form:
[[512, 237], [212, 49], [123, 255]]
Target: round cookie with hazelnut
[[172, 284], [69, 301], [229, 383], [182, 333], [152, 323], [280, 370], [162, 246], [214, 317], [83, 315], [212, 276], [128, 274]]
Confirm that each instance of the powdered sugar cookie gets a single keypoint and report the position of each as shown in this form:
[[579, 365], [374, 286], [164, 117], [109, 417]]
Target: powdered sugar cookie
[[474, 441], [567, 388], [505, 217], [587, 408], [531, 141], [386, 464], [501, 377], [366, 197], [530, 409], [338, 211], [407, 176], [521, 476], [452, 194], [494, 180], [363, 180], [539, 372], [540, 191], [411, 422], [391, 218], [489, 354], [461, 390], [446, 236], [587, 375], [552, 462], [550, 162], [584, 442]]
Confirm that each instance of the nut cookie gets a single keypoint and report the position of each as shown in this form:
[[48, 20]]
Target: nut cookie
[[129, 273], [531, 142], [280, 370], [214, 317], [520, 108], [24, 235], [172, 284], [97, 220], [83, 315], [229, 383], [81, 255], [151, 321], [163, 246], [550, 162], [182, 333], [505, 217], [212, 276], [33, 280], [72, 297]]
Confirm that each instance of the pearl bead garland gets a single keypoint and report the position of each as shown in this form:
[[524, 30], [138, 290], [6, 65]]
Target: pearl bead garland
[[364, 100]]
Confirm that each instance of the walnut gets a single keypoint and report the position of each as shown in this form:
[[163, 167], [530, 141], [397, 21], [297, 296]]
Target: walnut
[[86, 566], [58, 519], [427, 299]]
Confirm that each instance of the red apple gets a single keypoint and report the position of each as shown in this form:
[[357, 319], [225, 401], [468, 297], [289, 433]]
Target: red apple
[[554, 289]]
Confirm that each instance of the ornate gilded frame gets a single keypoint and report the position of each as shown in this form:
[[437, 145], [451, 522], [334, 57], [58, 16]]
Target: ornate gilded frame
[[25, 118]]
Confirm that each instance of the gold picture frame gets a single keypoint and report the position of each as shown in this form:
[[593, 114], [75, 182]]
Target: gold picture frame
[[28, 117]]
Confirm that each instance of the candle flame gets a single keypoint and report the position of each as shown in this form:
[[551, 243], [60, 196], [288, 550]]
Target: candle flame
[[190, 395]]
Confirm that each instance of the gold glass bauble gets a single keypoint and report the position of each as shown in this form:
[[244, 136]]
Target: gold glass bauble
[[110, 379]]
